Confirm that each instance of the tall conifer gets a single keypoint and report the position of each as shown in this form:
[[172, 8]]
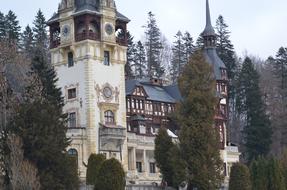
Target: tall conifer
[[257, 128], [140, 60], [130, 56], [199, 141], [12, 27], [27, 39], [153, 46]]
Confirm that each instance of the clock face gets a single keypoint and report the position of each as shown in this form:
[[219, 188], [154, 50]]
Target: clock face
[[109, 29], [66, 30], [107, 92]]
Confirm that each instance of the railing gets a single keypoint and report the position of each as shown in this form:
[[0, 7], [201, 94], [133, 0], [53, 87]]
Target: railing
[[87, 36], [121, 41], [55, 43], [140, 138], [233, 149], [113, 132]]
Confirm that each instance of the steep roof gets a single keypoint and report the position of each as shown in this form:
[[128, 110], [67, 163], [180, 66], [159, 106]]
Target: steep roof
[[158, 93], [210, 46], [88, 6]]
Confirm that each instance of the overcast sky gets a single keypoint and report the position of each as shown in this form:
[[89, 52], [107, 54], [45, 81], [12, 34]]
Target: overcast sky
[[258, 27]]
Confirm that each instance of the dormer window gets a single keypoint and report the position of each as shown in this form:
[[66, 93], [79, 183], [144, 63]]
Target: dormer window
[[70, 59], [107, 58]]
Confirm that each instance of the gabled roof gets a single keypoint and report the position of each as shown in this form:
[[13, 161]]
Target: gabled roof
[[158, 93]]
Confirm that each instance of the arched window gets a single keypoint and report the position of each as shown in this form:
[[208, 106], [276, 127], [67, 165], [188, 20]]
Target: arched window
[[109, 117], [70, 59], [73, 153]]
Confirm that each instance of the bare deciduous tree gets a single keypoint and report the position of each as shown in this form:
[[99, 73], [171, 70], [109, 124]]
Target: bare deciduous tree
[[22, 173]]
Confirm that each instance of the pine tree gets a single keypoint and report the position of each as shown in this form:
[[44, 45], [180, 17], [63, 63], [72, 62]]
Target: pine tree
[[283, 162], [275, 175], [2, 26], [178, 57], [112, 176], [189, 47], [280, 69], [27, 39], [41, 124], [140, 60], [259, 174], [130, 56], [226, 52], [153, 46], [257, 128], [163, 144], [12, 27], [40, 31], [199, 140], [199, 45], [239, 177]]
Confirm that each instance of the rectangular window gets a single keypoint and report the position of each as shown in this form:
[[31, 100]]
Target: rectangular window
[[139, 167], [106, 58], [152, 168], [72, 120], [72, 93], [70, 59]]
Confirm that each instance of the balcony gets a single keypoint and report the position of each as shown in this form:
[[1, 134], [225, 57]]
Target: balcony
[[111, 137], [54, 43], [87, 36]]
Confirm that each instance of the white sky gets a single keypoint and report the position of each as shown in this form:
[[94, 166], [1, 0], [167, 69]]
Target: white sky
[[258, 26]]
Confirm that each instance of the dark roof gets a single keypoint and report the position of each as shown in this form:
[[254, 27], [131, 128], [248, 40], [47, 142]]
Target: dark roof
[[209, 30], [158, 93], [88, 6], [122, 17], [212, 58], [210, 50]]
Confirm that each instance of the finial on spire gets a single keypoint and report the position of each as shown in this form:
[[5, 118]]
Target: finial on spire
[[209, 30]]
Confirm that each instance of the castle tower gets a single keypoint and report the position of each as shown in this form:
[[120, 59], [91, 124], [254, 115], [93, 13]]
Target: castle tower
[[220, 73], [88, 44]]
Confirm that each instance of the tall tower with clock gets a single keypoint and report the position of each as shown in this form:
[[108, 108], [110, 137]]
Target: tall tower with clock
[[88, 50]]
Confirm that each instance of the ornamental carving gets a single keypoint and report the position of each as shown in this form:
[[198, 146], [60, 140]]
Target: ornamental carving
[[107, 93]]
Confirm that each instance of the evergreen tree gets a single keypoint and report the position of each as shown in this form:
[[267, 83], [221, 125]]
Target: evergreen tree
[[188, 46], [12, 27], [27, 39], [140, 60], [163, 144], [40, 32], [199, 140], [226, 52], [239, 177], [283, 163], [259, 174], [94, 164], [275, 175], [130, 56], [199, 45], [280, 69], [112, 176], [178, 57], [41, 124], [257, 128], [2, 26], [153, 46]]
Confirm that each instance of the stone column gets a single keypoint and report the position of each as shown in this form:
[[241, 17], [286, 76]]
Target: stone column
[[144, 163]]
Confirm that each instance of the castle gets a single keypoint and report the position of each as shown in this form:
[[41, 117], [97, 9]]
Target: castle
[[108, 114]]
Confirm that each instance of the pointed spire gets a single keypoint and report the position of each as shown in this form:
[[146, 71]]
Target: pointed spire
[[209, 30]]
